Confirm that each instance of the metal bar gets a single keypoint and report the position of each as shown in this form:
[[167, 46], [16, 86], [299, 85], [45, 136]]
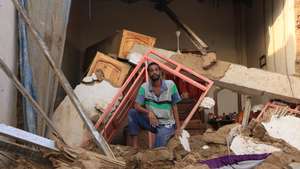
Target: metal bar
[[24, 151], [27, 137], [181, 66], [289, 109], [25, 94], [109, 108], [199, 44], [194, 83], [263, 111], [191, 114], [124, 100], [98, 138]]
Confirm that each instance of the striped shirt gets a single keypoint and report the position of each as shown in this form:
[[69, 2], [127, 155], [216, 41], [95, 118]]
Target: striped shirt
[[160, 105]]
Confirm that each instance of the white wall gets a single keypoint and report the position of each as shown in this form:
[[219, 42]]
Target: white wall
[[271, 31], [8, 54]]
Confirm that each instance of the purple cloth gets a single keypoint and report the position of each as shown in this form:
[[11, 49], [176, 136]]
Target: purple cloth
[[233, 159]]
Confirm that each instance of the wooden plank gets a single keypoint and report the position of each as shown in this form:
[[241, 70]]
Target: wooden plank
[[27, 137]]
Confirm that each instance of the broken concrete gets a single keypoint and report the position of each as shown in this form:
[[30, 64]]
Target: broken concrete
[[203, 65], [68, 121], [220, 136], [249, 81]]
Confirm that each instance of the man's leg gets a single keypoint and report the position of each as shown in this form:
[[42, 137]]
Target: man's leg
[[163, 135], [137, 120]]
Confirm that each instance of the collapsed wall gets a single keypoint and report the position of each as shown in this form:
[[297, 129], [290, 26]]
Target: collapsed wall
[[238, 78]]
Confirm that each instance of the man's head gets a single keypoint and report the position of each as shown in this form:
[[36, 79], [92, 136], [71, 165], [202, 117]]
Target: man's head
[[153, 71]]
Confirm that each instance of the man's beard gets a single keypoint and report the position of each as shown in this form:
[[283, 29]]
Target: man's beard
[[155, 77]]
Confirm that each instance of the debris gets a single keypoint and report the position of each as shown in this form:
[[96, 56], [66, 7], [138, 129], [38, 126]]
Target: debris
[[251, 81], [90, 96], [90, 79], [286, 128], [215, 72], [134, 57], [246, 145], [209, 60], [220, 136], [208, 103]]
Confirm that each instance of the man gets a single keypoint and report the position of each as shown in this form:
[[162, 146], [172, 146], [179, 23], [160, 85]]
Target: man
[[155, 109]]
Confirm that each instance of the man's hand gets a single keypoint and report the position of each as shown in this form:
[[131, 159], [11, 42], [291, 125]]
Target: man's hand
[[153, 120]]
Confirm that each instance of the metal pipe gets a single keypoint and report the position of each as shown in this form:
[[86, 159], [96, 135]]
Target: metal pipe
[[98, 138], [23, 91]]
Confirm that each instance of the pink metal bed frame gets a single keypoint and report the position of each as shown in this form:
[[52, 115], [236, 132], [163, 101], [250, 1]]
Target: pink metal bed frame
[[127, 92], [269, 105]]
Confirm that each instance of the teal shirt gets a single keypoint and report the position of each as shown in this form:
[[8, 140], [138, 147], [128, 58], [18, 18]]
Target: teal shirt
[[160, 105]]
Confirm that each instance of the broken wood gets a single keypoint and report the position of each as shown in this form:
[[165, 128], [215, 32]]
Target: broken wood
[[98, 138]]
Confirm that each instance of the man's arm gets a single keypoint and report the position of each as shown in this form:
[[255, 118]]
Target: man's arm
[[140, 108], [139, 102], [152, 118]]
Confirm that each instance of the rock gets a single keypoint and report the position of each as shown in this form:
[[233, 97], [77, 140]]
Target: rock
[[218, 137], [198, 166], [152, 155], [294, 165], [267, 166], [259, 131], [209, 60]]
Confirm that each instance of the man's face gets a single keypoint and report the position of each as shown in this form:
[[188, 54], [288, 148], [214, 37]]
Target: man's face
[[154, 72]]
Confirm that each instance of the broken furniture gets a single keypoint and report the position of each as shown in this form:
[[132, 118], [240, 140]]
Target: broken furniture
[[118, 45], [113, 70], [132, 84], [275, 108]]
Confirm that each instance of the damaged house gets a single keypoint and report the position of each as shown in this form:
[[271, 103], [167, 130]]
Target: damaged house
[[71, 71]]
